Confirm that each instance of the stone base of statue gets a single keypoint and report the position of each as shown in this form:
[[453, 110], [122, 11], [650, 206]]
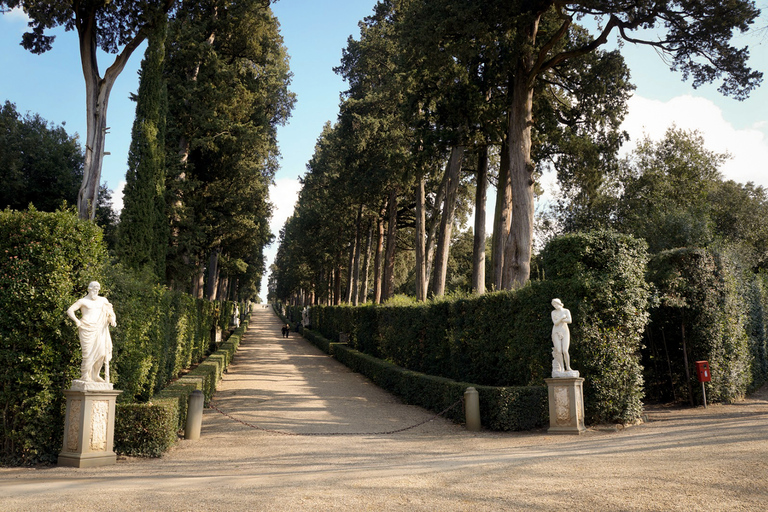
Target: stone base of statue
[[89, 428], [566, 405]]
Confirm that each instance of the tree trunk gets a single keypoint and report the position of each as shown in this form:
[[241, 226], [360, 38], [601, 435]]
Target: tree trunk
[[356, 263], [502, 218], [478, 248], [350, 270], [517, 254], [434, 223], [388, 283], [366, 266], [377, 266], [337, 283], [421, 260], [213, 274], [446, 221], [97, 92]]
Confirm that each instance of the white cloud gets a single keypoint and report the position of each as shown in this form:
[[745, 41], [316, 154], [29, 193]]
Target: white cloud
[[117, 197], [17, 15], [283, 195], [747, 146]]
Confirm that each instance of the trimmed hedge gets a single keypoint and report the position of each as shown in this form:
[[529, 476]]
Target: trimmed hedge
[[146, 430], [504, 338], [46, 262], [150, 429], [702, 303], [501, 408]]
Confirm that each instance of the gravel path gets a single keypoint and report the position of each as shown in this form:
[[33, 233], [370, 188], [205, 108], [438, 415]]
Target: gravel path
[[681, 459]]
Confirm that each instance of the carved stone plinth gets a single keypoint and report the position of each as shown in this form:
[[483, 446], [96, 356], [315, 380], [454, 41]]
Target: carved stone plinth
[[89, 428], [566, 405]]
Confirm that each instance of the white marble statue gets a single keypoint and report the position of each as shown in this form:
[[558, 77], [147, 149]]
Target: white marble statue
[[305, 316], [561, 340], [96, 315], [236, 316]]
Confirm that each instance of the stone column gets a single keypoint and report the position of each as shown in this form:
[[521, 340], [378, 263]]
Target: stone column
[[566, 405], [89, 428]]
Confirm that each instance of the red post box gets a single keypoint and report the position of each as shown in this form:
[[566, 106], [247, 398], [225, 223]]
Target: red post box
[[702, 369]]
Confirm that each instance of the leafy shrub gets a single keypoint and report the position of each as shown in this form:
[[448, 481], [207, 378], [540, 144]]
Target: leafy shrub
[[46, 263], [146, 430]]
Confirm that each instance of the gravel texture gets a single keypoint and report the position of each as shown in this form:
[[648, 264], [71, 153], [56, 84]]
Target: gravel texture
[[680, 459]]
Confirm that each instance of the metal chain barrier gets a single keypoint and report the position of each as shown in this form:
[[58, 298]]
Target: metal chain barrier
[[283, 433]]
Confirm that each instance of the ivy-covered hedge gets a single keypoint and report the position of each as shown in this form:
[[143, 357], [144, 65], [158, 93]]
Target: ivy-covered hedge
[[504, 338], [46, 262], [703, 314]]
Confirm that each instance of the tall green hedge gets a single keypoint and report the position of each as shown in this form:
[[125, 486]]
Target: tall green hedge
[[504, 338], [704, 314], [46, 262]]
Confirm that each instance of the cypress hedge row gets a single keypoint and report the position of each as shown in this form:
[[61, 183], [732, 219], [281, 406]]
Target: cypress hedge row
[[503, 339]]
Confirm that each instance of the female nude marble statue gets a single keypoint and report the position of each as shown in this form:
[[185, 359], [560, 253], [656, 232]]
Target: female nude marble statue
[[561, 339], [96, 315]]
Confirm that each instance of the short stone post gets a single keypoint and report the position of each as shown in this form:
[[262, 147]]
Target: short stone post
[[194, 415], [566, 405], [472, 409]]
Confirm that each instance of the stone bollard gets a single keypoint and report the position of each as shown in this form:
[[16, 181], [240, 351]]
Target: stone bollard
[[472, 409], [194, 415]]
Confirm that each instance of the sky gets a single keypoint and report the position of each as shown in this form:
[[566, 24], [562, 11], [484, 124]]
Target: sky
[[315, 32]]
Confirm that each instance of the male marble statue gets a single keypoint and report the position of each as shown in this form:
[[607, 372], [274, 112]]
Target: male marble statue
[[96, 315], [561, 339]]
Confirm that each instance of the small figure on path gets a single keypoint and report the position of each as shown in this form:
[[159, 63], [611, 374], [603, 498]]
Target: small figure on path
[[96, 315], [286, 330], [561, 339]]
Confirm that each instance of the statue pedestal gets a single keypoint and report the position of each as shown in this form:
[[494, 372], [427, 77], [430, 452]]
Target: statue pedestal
[[566, 405], [89, 428]]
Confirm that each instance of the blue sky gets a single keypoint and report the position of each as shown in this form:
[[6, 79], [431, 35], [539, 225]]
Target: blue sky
[[315, 33]]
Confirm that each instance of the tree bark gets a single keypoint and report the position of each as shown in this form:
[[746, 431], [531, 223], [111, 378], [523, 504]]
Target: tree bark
[[478, 248], [377, 277], [97, 91], [356, 262], [446, 221], [421, 260], [213, 274], [517, 254], [502, 218], [388, 283], [366, 265]]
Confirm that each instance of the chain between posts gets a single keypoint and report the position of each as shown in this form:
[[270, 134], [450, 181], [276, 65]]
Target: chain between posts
[[389, 432]]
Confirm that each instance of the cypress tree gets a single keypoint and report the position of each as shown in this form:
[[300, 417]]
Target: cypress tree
[[144, 231]]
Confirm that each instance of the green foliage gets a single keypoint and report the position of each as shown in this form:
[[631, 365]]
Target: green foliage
[[504, 338], [701, 315], [501, 408], [146, 430], [40, 164], [143, 220], [46, 263]]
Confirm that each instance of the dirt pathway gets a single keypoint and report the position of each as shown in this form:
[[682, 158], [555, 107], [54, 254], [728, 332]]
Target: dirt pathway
[[682, 459]]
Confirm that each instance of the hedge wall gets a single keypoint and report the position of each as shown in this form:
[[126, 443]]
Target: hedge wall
[[150, 429], [504, 338], [705, 312], [46, 263]]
